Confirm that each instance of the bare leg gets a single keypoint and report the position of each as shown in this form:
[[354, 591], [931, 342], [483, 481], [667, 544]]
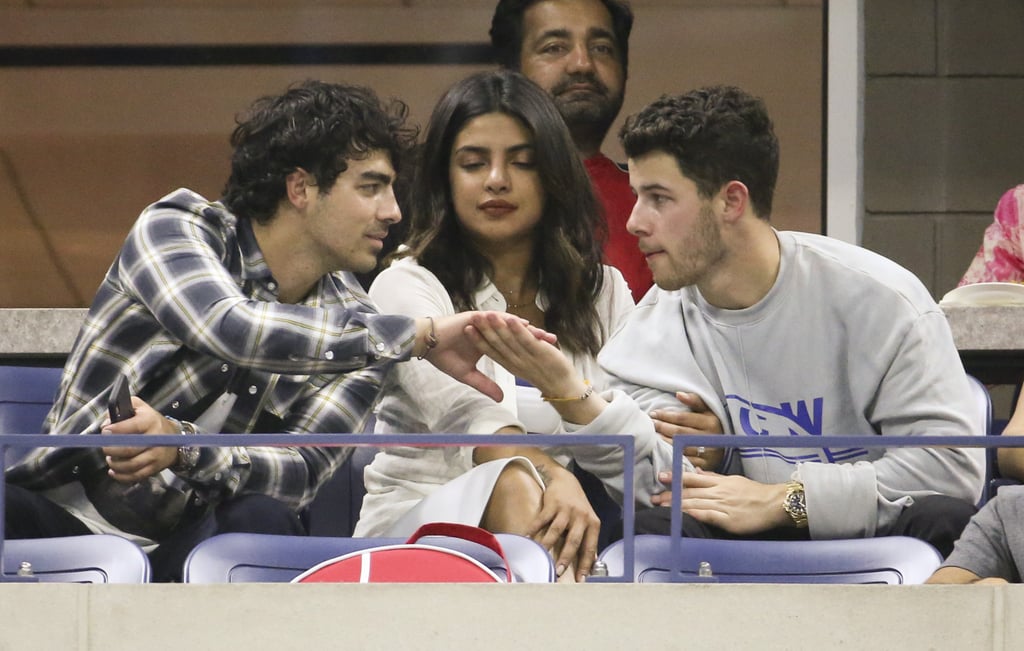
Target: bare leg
[[514, 503]]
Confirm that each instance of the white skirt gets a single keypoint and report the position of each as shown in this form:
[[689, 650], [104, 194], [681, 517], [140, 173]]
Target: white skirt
[[462, 500]]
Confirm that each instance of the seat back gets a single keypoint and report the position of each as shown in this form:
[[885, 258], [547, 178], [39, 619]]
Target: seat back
[[26, 395], [94, 558], [890, 560], [335, 509], [264, 558], [983, 402]]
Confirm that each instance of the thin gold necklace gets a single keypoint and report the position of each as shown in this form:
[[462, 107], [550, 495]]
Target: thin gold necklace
[[515, 306]]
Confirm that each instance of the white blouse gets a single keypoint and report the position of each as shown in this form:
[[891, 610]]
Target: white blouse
[[418, 398]]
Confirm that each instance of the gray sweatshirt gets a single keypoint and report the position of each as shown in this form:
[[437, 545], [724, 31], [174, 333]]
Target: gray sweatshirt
[[846, 342]]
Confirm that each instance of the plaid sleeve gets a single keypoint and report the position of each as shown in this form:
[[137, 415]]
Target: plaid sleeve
[[174, 263]]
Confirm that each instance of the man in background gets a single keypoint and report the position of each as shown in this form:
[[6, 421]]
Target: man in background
[[578, 51]]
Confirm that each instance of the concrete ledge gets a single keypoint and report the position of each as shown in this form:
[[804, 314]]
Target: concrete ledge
[[35, 332], [986, 328], [30, 332], [450, 616]]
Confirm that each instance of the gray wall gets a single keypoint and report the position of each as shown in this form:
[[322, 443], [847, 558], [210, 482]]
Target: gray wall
[[944, 135]]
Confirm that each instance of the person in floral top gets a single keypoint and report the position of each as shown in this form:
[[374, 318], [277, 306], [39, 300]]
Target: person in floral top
[[1000, 258]]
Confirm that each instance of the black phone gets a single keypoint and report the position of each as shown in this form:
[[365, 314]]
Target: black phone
[[120, 402]]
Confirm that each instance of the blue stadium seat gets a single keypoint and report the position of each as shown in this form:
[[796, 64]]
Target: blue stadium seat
[[264, 558], [889, 560], [994, 427], [335, 509], [983, 403], [96, 558], [26, 395]]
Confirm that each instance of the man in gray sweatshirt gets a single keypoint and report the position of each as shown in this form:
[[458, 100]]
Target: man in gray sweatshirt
[[780, 333]]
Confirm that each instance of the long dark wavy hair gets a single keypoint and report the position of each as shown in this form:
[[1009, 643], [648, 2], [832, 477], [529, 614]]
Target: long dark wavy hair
[[570, 233]]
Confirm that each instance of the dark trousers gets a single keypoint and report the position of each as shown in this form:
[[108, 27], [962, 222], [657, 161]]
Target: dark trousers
[[935, 519], [30, 515]]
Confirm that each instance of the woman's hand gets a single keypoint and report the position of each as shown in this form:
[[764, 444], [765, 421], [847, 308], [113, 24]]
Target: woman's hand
[[444, 342], [567, 522]]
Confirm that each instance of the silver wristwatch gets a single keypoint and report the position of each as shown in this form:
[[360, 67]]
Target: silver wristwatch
[[188, 455]]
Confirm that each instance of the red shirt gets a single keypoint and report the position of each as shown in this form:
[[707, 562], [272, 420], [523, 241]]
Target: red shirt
[[611, 183]]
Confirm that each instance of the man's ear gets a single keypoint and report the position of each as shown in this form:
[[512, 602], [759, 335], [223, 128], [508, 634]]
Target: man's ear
[[298, 185], [735, 199]]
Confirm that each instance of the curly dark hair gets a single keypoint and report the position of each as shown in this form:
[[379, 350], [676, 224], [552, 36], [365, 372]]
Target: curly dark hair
[[316, 126], [716, 134], [567, 254], [507, 29]]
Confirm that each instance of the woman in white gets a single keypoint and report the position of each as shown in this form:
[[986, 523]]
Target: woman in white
[[503, 217]]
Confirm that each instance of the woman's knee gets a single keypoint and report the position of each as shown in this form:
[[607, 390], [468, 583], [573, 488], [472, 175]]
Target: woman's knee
[[515, 500]]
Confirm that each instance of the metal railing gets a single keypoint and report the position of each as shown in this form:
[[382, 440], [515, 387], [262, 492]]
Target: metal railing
[[626, 442]]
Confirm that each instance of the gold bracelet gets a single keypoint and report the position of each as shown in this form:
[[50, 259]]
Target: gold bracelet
[[431, 339], [586, 394]]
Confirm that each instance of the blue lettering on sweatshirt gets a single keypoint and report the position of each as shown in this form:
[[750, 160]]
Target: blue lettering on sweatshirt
[[754, 419], [762, 420]]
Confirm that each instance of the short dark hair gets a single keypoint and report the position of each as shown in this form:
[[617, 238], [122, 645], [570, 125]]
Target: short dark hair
[[507, 29], [716, 134], [567, 254], [313, 125]]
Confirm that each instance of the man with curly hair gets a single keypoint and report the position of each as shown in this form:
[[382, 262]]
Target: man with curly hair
[[238, 316], [781, 333]]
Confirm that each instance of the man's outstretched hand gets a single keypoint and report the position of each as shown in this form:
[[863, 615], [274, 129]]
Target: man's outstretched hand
[[456, 354]]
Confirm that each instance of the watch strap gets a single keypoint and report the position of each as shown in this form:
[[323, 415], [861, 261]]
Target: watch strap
[[795, 503]]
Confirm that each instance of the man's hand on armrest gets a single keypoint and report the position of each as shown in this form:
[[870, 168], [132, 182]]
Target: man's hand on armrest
[[739, 505]]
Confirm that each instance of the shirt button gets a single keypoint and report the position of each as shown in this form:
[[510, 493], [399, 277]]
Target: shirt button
[[224, 368], [175, 404], [253, 390], [272, 285], [380, 347], [217, 476], [329, 354], [76, 471]]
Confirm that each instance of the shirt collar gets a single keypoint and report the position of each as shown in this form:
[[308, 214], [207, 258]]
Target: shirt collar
[[254, 265]]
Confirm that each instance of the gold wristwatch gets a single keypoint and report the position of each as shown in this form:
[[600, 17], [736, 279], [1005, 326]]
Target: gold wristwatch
[[795, 503]]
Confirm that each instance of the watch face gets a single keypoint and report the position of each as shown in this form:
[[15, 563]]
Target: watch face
[[795, 505], [188, 456]]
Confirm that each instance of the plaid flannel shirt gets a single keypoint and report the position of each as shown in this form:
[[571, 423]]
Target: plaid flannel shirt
[[188, 309]]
